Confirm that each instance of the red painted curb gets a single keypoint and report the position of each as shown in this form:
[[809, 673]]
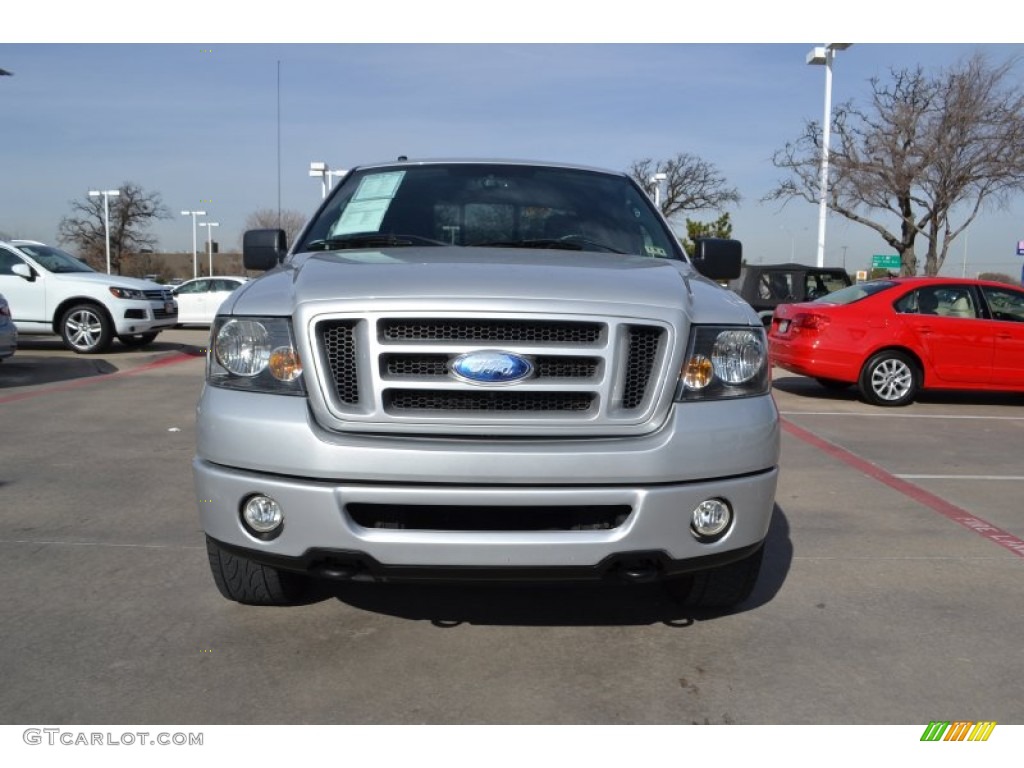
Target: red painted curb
[[937, 504], [172, 360]]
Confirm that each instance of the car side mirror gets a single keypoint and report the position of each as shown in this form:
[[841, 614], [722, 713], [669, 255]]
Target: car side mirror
[[263, 249], [24, 271], [717, 258]]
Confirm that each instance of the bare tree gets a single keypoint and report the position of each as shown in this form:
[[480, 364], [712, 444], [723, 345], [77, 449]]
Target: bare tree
[[922, 159], [291, 222], [131, 213], [691, 184]]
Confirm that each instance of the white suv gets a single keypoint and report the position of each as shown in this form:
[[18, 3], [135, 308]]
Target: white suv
[[52, 292]]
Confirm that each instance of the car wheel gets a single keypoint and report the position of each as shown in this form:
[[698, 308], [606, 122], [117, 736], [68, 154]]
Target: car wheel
[[252, 583], [86, 329], [722, 587], [834, 384], [890, 378], [136, 339]]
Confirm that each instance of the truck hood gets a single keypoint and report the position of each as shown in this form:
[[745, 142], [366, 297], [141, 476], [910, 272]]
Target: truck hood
[[499, 274]]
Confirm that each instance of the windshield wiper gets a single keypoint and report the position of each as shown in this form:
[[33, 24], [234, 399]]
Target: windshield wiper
[[370, 240], [568, 243]]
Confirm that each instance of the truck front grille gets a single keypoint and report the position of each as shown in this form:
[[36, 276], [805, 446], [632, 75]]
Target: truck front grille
[[397, 372], [433, 401], [490, 331]]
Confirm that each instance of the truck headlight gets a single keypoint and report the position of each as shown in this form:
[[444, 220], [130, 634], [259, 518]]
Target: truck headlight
[[256, 354], [724, 361]]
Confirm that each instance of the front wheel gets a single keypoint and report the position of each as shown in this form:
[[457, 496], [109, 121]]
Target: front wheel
[[246, 581], [86, 329], [136, 339], [724, 587], [890, 378]]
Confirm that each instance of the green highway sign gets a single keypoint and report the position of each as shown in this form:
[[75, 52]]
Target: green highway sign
[[886, 261]]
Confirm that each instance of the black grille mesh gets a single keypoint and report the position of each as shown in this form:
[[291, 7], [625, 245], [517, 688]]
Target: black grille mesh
[[491, 331], [444, 400], [436, 366], [643, 351], [338, 342]]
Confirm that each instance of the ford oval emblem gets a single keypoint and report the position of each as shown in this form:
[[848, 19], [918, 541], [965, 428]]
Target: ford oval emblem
[[491, 367]]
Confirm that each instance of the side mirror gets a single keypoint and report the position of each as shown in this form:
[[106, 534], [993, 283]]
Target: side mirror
[[24, 271], [718, 259], [263, 249]]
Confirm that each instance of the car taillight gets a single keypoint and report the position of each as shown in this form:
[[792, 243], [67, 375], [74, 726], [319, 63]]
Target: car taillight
[[809, 322]]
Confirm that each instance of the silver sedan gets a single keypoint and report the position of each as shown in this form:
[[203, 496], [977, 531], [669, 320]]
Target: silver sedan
[[8, 331]]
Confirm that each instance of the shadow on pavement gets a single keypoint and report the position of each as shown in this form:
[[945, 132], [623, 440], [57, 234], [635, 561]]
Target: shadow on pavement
[[46, 361], [811, 389], [613, 604]]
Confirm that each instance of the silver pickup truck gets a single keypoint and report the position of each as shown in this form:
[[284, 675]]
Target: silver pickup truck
[[486, 370]]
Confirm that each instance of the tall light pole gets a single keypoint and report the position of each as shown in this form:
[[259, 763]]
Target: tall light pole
[[209, 239], [325, 174], [823, 54], [656, 180], [195, 250], [107, 194]]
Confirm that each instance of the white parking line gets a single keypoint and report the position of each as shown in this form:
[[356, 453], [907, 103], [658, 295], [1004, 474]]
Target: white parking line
[[890, 415]]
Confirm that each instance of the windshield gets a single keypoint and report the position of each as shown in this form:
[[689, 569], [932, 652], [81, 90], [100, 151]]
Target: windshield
[[490, 205], [855, 292], [54, 259]]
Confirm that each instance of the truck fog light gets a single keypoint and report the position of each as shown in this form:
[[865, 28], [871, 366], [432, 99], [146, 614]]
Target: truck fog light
[[262, 515], [711, 519]]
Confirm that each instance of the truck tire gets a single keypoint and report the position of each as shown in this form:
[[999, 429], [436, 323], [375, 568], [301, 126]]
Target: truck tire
[[86, 329], [722, 587], [251, 583]]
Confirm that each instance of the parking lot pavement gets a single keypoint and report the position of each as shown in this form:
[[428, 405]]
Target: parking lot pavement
[[42, 360], [874, 607]]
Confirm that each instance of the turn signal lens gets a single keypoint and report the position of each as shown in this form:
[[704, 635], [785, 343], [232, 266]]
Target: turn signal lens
[[285, 364]]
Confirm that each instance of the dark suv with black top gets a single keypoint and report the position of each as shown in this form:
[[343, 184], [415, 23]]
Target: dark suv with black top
[[765, 286]]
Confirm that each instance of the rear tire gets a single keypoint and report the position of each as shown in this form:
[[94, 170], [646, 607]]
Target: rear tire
[[890, 378], [724, 587], [252, 583]]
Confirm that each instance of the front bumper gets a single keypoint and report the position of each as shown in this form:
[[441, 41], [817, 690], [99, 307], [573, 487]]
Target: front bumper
[[319, 529], [137, 316], [250, 443]]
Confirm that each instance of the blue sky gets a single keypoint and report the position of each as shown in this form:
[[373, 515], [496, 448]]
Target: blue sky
[[197, 120]]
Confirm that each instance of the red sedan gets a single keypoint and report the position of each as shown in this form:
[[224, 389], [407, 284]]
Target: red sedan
[[893, 338]]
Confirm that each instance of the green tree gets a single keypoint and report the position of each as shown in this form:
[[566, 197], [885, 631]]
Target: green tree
[[720, 227]]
